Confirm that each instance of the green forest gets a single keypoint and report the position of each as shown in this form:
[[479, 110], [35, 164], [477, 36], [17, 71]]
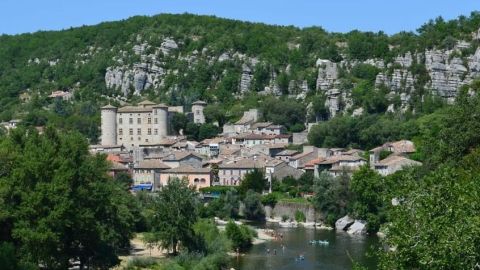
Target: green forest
[[77, 60]]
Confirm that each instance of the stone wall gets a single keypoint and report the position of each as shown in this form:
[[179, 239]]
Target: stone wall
[[289, 209]]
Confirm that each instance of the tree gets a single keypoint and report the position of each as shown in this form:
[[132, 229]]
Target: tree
[[231, 204], [124, 179], [253, 206], [332, 196], [175, 213], [254, 180], [367, 188], [240, 235], [179, 122], [436, 226], [207, 131], [57, 196]]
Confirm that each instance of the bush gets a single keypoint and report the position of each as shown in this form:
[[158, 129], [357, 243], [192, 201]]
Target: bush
[[285, 218], [240, 235], [140, 262], [269, 199], [253, 206], [300, 216]]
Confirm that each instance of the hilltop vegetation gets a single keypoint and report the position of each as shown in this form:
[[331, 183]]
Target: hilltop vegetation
[[177, 59]]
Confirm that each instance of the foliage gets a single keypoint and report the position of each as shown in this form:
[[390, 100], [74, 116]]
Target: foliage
[[287, 112], [436, 226], [300, 216], [240, 235], [175, 213], [254, 180], [253, 206], [367, 187], [179, 122], [332, 196], [57, 196], [270, 199]]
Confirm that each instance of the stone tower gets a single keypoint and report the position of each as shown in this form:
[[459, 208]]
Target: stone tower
[[109, 125], [160, 112], [197, 110]]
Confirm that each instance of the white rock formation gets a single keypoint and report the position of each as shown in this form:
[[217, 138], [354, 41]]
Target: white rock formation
[[327, 74], [344, 223], [359, 227]]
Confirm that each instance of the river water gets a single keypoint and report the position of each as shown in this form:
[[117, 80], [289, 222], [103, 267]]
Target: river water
[[335, 256]]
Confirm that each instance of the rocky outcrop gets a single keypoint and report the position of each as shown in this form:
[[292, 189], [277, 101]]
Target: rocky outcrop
[[447, 73], [359, 227], [333, 101], [399, 81], [405, 61], [168, 45], [245, 79], [344, 223], [141, 76], [327, 74]]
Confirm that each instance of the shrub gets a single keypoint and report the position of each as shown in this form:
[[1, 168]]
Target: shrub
[[240, 235], [285, 218], [300, 216], [270, 199]]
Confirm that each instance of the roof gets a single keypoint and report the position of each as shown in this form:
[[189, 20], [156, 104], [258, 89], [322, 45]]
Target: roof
[[187, 169], [260, 125], [134, 109], [396, 160], [300, 155], [312, 162], [288, 152], [116, 166], [146, 103], [161, 105], [108, 107], [284, 171], [337, 158], [199, 102], [151, 164], [179, 155], [246, 163]]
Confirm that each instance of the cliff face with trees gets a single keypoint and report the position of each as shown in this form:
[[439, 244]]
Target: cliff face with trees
[[180, 58]]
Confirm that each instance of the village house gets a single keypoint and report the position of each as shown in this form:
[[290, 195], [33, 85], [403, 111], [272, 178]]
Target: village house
[[62, 95], [251, 139], [286, 154], [396, 159], [394, 163], [196, 177], [147, 173], [338, 164], [243, 125], [178, 158], [231, 173], [267, 128]]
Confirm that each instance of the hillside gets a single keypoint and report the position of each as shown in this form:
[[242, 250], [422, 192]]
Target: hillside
[[178, 59]]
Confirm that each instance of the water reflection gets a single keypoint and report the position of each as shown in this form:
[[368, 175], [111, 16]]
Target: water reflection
[[334, 256]]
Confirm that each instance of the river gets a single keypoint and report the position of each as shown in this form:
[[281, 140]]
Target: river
[[335, 256]]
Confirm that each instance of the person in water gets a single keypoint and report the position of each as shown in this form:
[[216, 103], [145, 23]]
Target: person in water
[[275, 251]]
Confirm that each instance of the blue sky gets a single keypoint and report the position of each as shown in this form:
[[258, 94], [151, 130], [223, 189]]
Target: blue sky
[[391, 16]]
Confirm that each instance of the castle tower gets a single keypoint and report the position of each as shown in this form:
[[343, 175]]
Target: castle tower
[[197, 110], [109, 125], [160, 112]]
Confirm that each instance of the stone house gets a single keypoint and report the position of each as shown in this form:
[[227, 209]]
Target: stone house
[[394, 163], [197, 177], [147, 172]]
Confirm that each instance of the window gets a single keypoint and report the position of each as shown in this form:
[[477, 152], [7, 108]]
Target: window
[[130, 121], [139, 139], [130, 131], [149, 120], [120, 121], [155, 112], [146, 140], [139, 131], [198, 112], [155, 132], [149, 131], [120, 131], [139, 121], [156, 120]]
